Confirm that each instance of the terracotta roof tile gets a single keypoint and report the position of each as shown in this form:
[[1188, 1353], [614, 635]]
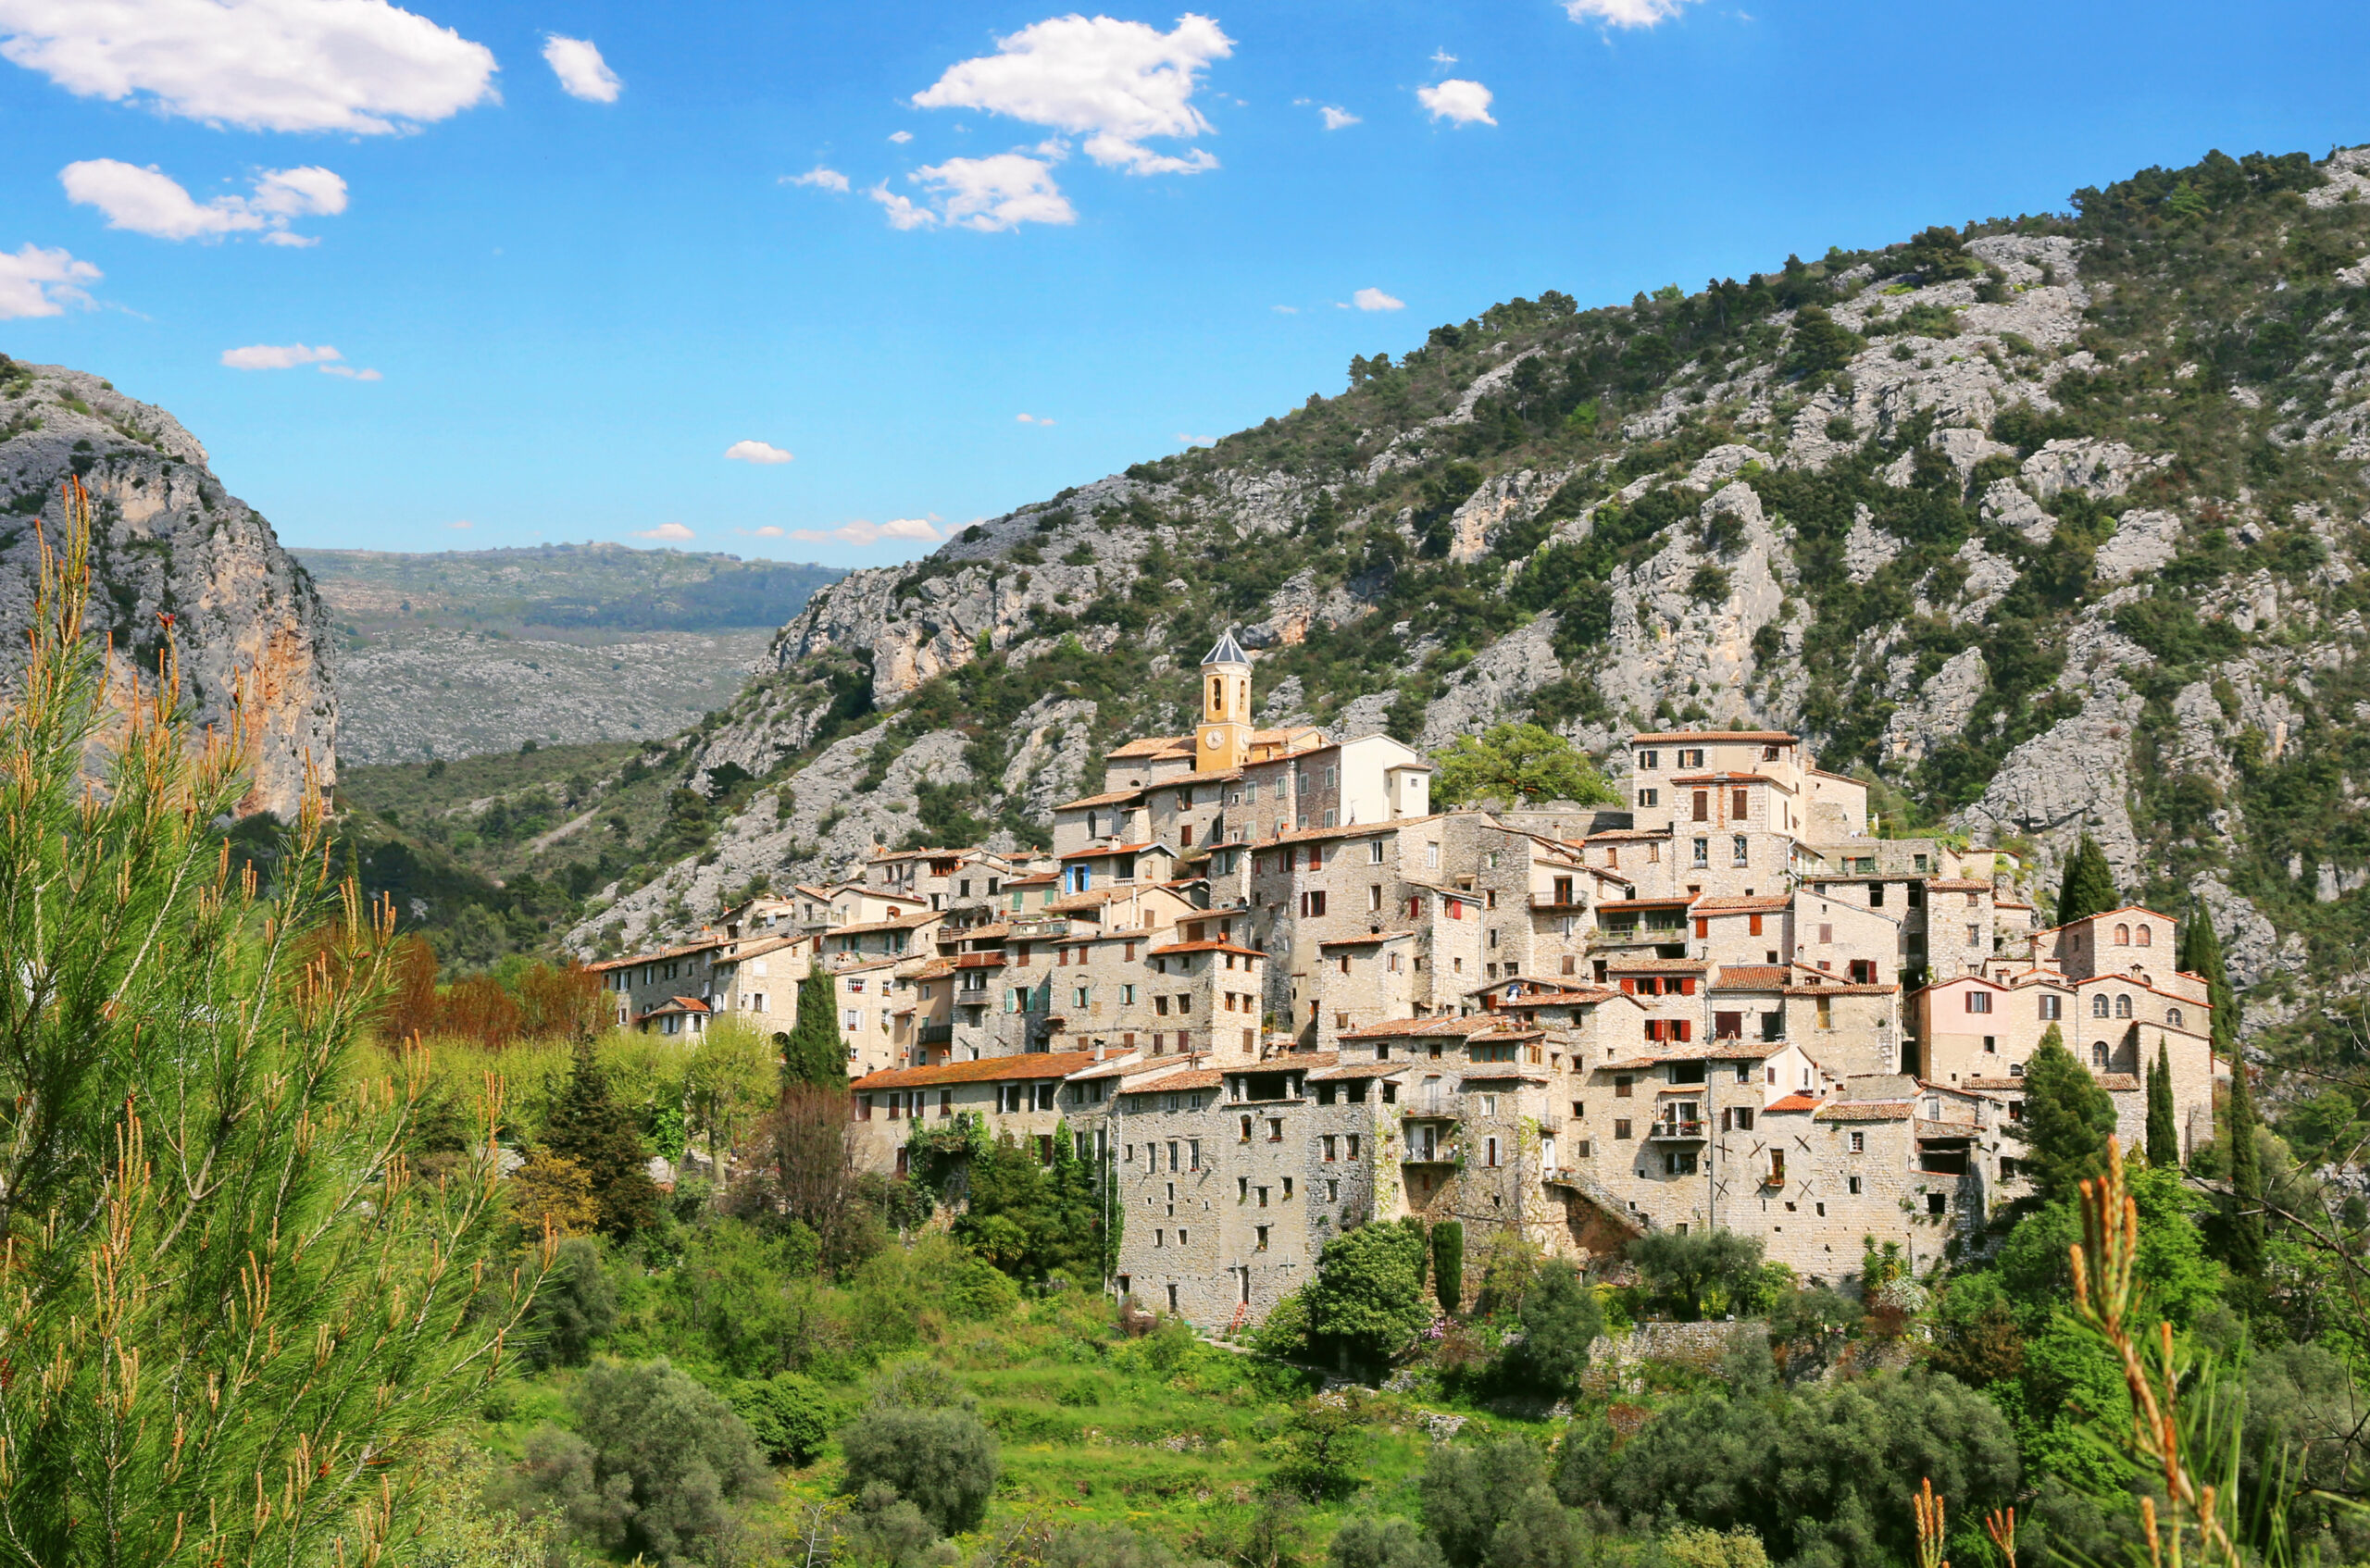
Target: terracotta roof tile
[[1664, 736], [1172, 1083], [1749, 977], [1741, 907], [1464, 1027], [1863, 1111], [990, 1069], [1208, 947], [1792, 1103], [1109, 798]]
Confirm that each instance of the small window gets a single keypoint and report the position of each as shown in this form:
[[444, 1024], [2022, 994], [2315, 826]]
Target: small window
[[1859, 1143], [1854, 1186], [1978, 1000], [2099, 1005], [2123, 1007], [2141, 936], [1937, 1203], [2173, 1016], [2052, 1007], [1620, 1127]]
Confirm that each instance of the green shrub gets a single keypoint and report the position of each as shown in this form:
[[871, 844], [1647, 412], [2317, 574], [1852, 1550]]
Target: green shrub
[[576, 1307], [1448, 1265], [785, 1415], [942, 1461]]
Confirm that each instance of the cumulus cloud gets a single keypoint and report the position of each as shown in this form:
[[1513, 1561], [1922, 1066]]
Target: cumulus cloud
[[862, 533], [769, 531], [1458, 101], [1375, 299], [148, 201], [1625, 12], [671, 532], [1336, 119], [758, 452], [358, 66], [821, 177], [901, 137], [582, 72], [988, 194], [463, 523], [288, 357], [1035, 419], [1113, 82], [278, 356], [42, 282]]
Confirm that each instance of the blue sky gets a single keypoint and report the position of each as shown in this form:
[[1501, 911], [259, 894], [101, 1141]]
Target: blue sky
[[562, 279]]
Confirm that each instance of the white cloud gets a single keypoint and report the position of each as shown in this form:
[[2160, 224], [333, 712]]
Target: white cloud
[[862, 533], [1458, 101], [39, 282], [1442, 58], [821, 177], [1375, 299], [988, 194], [463, 523], [757, 452], [1285, 309], [901, 137], [1336, 119], [278, 356], [357, 66], [1113, 82], [669, 532], [582, 72], [351, 374], [1625, 12], [769, 531], [1184, 440], [1035, 419], [148, 201]]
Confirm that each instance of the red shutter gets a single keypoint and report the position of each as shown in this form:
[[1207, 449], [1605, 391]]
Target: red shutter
[[1702, 926]]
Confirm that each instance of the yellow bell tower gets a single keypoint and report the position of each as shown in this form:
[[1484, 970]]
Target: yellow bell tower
[[1223, 741]]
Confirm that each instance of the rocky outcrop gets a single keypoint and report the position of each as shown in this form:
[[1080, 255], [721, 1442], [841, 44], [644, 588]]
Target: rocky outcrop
[[168, 542]]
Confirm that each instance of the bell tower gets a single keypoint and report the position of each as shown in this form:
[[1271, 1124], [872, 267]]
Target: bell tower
[[1223, 743]]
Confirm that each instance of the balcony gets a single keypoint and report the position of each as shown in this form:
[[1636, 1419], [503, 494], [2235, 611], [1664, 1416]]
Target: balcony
[[934, 1033], [1562, 899], [1437, 1155], [1675, 1132], [1431, 1108]]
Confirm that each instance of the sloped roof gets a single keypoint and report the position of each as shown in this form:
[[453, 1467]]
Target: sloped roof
[[1792, 1103], [1762, 905], [1664, 736], [1863, 1111], [1750, 977], [1207, 947], [990, 1069], [1227, 652], [1112, 798], [1464, 1027], [1171, 1083]]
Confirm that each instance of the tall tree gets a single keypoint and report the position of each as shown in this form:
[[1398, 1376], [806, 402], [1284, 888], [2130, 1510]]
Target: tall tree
[[2164, 1133], [234, 1317], [2200, 955], [2069, 1119], [814, 1054], [587, 1124], [2088, 886], [2239, 1123], [1515, 764]]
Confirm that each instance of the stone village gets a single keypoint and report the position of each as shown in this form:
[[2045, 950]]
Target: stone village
[[1272, 994]]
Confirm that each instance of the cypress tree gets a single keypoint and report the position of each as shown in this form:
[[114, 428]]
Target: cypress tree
[[2088, 886], [2200, 955], [2067, 1120], [815, 1054], [2163, 1134], [588, 1126], [2246, 1176], [1448, 1264]]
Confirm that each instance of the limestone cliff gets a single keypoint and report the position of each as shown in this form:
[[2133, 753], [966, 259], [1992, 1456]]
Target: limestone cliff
[[167, 539], [2056, 526]]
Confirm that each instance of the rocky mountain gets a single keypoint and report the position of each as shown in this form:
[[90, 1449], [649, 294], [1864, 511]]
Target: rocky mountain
[[168, 541], [2052, 525], [460, 652]]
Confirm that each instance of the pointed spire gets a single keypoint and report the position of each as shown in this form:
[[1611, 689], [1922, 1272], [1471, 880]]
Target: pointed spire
[[1227, 652]]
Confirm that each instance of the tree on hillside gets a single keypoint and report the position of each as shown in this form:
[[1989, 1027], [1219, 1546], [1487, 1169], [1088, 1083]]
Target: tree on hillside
[[2201, 954], [1561, 1318], [2239, 1123], [814, 1054], [1820, 344], [1368, 1298], [1448, 1264], [1936, 256], [1517, 763], [2087, 887], [2069, 1119], [2164, 1132], [1681, 1268], [588, 1126], [234, 1319]]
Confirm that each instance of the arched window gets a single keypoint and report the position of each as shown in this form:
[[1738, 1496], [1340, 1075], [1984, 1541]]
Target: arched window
[[2173, 1016], [2123, 1007], [2099, 1005], [2143, 936], [2123, 936], [2099, 1054], [1217, 695]]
